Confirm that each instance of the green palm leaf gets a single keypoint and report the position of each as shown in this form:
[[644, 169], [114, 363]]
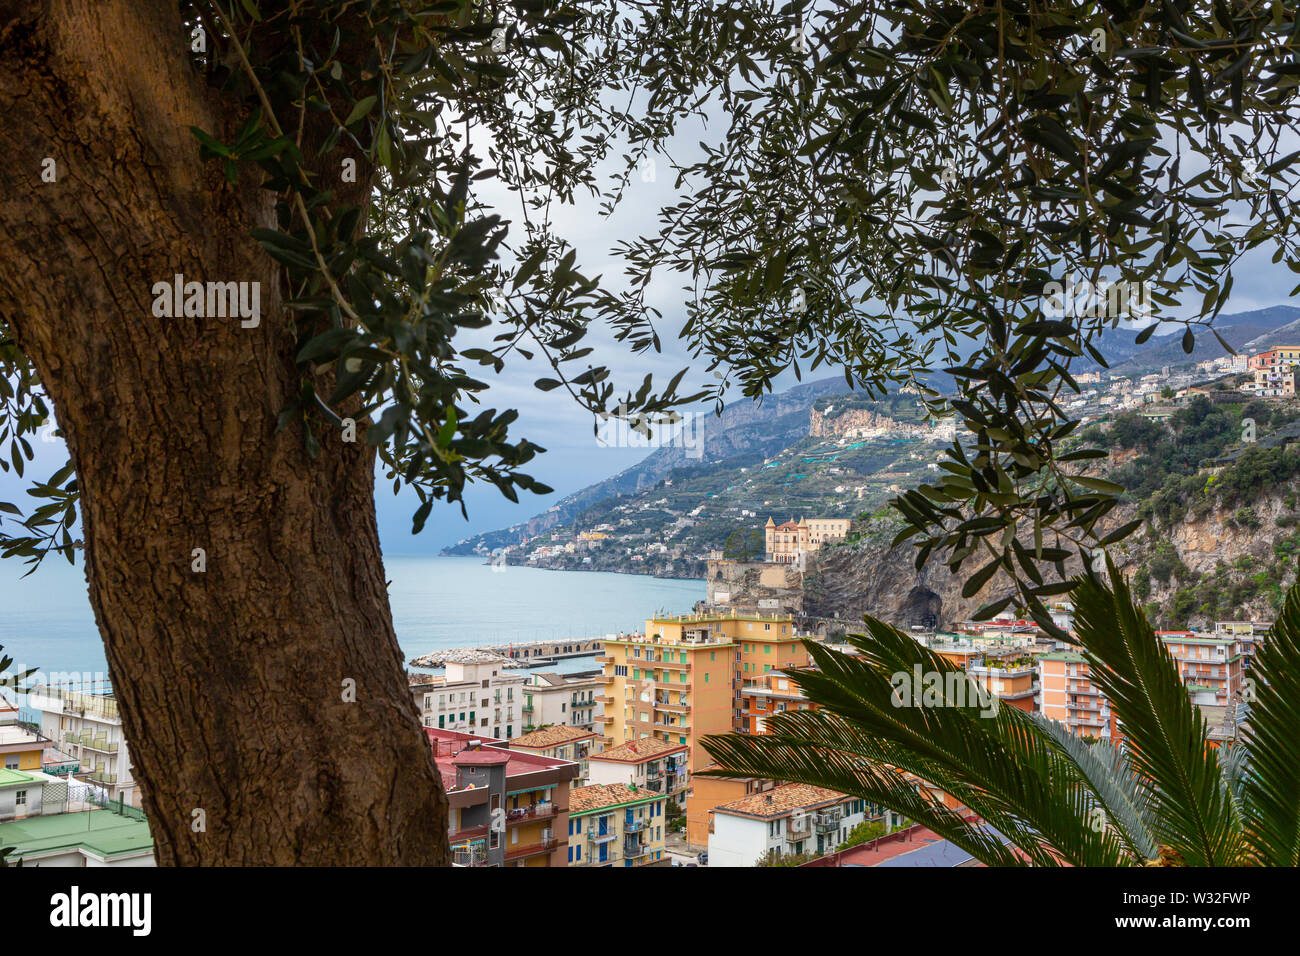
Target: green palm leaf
[[1192, 812], [1001, 765], [1271, 785]]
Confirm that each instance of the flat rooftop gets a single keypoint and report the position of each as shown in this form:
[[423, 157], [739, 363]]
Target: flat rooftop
[[102, 832]]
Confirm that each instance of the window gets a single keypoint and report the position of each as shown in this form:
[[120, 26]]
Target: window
[[620, 670], [767, 648], [706, 678], [20, 798]]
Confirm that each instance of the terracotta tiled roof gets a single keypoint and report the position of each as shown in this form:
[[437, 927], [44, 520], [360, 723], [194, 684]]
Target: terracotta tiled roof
[[779, 801], [636, 751], [597, 795], [551, 736]]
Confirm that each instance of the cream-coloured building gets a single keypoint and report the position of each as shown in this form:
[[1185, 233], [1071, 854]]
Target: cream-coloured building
[[788, 542], [551, 698], [87, 726], [476, 695]]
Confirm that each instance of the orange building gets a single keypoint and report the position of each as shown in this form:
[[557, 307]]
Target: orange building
[[710, 792], [1209, 665], [1070, 696], [1012, 679], [686, 677], [764, 697]]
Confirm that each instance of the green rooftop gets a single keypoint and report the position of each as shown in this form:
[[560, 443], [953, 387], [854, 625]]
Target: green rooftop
[[102, 832], [9, 778], [1074, 657]]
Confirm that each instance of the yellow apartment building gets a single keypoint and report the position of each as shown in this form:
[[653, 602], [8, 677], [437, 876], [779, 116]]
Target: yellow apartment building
[[685, 677], [616, 824]]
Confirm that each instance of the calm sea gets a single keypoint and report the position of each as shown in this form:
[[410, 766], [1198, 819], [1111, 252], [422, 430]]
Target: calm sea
[[46, 622]]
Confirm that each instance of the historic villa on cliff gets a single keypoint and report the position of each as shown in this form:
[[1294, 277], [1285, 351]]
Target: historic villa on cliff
[[786, 542]]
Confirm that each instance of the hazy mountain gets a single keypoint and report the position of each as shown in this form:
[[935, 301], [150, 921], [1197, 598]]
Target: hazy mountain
[[746, 431]]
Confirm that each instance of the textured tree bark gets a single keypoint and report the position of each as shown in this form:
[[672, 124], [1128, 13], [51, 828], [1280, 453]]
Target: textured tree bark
[[232, 680]]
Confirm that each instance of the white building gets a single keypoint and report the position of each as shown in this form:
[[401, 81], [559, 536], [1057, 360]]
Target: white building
[[568, 699], [647, 764], [792, 818], [48, 821], [88, 726], [476, 695]]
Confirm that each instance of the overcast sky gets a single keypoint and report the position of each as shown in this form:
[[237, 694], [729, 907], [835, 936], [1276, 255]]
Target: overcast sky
[[574, 459]]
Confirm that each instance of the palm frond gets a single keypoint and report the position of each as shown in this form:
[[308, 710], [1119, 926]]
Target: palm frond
[[1121, 794], [1271, 788], [1000, 764], [1193, 816], [774, 757]]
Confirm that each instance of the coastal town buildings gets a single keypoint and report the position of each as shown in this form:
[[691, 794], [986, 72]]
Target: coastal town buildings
[[685, 677], [48, 822], [648, 764], [558, 742], [505, 807], [1070, 696], [763, 696], [87, 726], [709, 792], [551, 698], [616, 824], [790, 819], [476, 695], [1013, 679], [1211, 666]]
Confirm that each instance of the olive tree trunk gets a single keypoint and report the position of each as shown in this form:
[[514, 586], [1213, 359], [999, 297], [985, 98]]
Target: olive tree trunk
[[235, 682]]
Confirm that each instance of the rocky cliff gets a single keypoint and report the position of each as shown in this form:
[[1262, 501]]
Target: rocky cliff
[[833, 423], [1216, 563]]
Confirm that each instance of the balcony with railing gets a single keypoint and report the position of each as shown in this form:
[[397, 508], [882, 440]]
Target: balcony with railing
[[672, 706], [541, 811], [826, 821], [546, 845], [469, 856]]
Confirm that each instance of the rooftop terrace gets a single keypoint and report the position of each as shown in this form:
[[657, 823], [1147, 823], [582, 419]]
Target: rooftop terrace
[[102, 832]]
